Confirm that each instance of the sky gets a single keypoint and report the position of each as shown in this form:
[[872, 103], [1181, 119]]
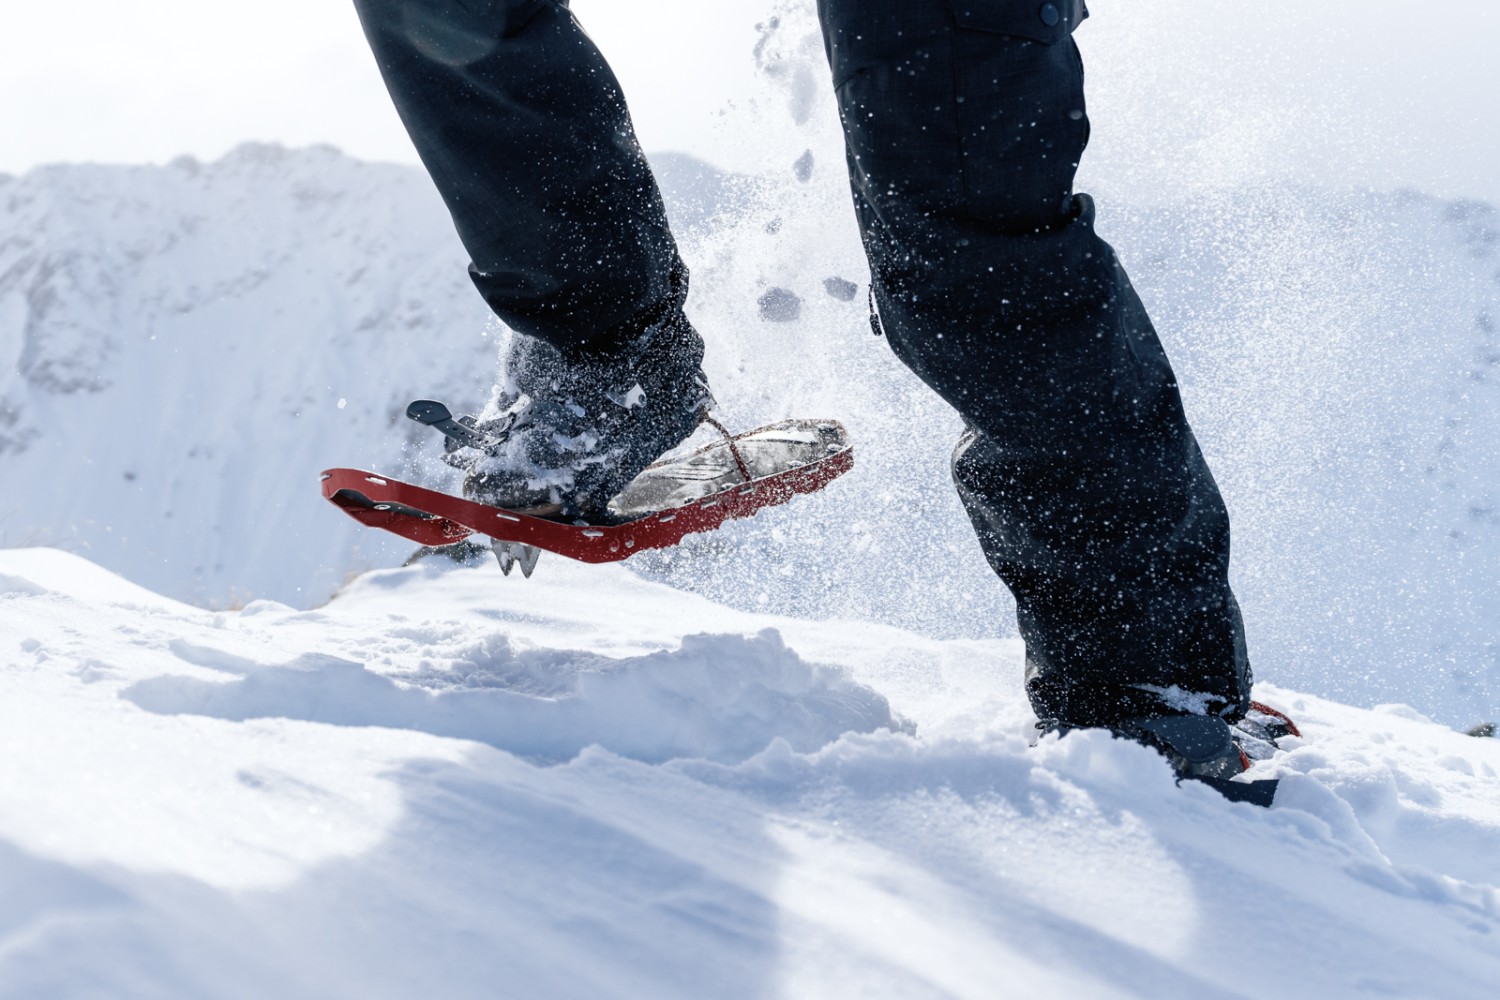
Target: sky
[[1183, 93]]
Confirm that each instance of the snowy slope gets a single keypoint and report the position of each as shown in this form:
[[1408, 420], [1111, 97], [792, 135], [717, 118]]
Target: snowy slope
[[446, 783]]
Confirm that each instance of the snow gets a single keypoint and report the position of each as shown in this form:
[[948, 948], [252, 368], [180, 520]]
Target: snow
[[450, 783]]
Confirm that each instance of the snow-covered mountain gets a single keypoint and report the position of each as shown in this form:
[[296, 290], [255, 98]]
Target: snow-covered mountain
[[449, 784], [178, 341], [182, 348]]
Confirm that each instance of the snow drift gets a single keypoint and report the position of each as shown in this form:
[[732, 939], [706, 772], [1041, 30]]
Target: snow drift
[[448, 783], [719, 697]]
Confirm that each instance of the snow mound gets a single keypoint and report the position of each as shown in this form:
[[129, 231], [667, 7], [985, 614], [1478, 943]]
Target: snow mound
[[395, 795], [722, 697], [50, 571]]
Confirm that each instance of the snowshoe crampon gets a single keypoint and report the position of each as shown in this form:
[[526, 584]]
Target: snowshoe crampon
[[677, 496]]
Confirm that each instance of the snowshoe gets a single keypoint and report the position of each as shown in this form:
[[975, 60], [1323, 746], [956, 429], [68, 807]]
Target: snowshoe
[[677, 496]]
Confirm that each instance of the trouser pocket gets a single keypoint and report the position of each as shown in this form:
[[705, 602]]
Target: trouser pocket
[[1045, 21], [1018, 95], [959, 109], [892, 72]]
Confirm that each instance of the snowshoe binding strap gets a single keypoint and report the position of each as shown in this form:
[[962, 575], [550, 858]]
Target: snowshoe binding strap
[[734, 448], [431, 413]]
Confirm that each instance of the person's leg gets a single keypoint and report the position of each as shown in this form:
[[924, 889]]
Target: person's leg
[[525, 132], [964, 122], [524, 129]]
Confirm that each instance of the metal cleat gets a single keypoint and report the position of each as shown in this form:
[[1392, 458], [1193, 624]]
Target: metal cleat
[[509, 554], [436, 415]]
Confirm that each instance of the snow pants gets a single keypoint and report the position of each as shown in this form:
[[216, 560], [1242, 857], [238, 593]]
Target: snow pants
[[964, 122]]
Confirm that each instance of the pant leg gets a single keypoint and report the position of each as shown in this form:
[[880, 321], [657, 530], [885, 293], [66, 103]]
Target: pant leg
[[524, 129], [964, 123]]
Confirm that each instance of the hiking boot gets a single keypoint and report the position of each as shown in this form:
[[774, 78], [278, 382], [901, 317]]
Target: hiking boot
[[566, 434]]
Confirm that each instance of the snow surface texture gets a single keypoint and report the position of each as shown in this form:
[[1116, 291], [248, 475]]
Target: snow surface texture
[[446, 783], [183, 348]]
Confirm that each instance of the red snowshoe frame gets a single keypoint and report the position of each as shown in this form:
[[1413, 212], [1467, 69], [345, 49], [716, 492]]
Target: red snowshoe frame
[[431, 518]]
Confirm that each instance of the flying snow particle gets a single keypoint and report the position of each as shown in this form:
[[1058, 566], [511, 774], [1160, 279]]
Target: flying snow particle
[[803, 168], [840, 288], [779, 305]]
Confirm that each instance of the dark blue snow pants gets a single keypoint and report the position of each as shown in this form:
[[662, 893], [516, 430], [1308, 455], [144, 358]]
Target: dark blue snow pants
[[964, 124]]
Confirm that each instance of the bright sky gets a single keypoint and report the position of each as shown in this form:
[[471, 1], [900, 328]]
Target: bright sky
[[1382, 92]]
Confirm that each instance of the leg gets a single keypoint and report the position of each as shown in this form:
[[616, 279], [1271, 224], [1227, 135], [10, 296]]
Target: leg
[[964, 122], [524, 129]]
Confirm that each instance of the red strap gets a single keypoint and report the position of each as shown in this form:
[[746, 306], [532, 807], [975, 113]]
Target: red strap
[[1263, 708], [734, 449]]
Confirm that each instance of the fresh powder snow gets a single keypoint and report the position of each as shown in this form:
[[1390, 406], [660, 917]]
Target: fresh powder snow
[[450, 783]]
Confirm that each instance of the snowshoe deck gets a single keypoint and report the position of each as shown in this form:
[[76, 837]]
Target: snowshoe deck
[[676, 497]]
